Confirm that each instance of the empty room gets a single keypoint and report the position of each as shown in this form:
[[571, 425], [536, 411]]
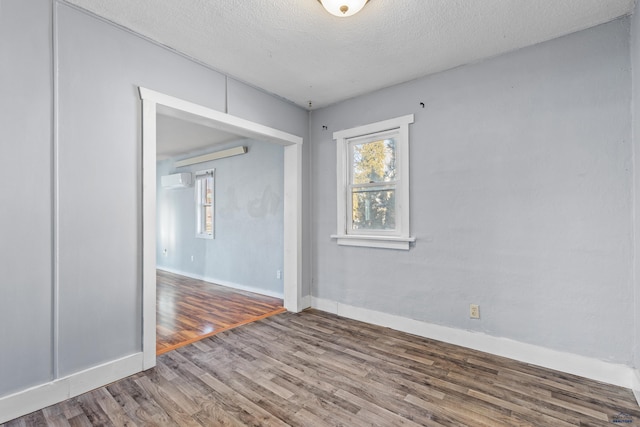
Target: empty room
[[215, 272], [443, 195]]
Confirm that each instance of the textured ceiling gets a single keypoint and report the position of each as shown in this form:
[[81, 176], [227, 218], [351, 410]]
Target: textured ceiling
[[296, 50]]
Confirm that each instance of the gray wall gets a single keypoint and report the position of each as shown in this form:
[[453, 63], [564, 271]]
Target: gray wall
[[98, 179], [249, 219], [635, 110], [521, 181], [25, 194], [521, 187], [250, 103], [100, 67]]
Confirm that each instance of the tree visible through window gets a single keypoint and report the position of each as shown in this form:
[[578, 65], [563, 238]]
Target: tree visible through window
[[373, 185]]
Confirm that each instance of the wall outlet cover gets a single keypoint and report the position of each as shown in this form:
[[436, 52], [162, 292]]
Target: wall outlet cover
[[474, 311]]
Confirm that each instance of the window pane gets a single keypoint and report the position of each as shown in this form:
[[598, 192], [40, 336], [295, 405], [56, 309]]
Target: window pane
[[204, 206], [374, 209], [208, 191], [208, 219], [374, 161]]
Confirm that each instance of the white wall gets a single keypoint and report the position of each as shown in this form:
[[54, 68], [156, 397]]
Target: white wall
[[248, 247], [90, 318], [521, 198]]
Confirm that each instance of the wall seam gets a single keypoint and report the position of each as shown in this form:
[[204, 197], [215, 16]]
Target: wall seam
[[55, 193], [634, 231], [634, 199], [310, 206]]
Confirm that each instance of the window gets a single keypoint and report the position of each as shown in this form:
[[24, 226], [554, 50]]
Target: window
[[204, 204], [373, 185], [371, 195]]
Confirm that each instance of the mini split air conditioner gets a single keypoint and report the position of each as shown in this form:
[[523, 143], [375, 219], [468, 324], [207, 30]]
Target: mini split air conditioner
[[176, 180]]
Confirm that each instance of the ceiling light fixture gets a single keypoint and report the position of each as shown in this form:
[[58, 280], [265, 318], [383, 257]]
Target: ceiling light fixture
[[343, 8]]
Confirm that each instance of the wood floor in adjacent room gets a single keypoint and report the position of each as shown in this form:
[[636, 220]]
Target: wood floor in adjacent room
[[317, 369], [189, 310]]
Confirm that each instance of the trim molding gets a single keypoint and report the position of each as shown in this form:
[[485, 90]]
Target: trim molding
[[182, 109], [154, 103], [41, 396], [635, 388], [385, 242], [226, 283], [611, 373], [305, 302]]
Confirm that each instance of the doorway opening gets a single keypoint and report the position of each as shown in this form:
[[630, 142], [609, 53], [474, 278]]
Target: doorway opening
[[220, 230], [155, 103]]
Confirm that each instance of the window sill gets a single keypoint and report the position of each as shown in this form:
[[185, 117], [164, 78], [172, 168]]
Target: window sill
[[385, 242]]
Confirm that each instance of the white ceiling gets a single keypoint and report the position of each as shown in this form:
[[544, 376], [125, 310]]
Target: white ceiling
[[296, 50], [177, 136]]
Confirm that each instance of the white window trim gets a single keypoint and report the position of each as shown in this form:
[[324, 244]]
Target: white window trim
[[401, 238], [200, 175]]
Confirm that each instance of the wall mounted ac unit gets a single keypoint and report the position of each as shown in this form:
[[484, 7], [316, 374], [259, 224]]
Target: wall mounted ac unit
[[176, 180]]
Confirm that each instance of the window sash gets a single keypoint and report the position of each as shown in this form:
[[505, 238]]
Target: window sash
[[370, 139], [392, 185], [373, 217], [205, 212], [365, 188]]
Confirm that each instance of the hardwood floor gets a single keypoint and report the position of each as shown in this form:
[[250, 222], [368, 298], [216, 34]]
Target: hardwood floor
[[316, 369], [189, 310]]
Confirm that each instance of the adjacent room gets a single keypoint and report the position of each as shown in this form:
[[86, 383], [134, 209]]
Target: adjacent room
[[219, 231], [432, 206]]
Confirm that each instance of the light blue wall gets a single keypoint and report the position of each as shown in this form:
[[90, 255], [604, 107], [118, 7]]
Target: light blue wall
[[94, 314], [521, 180], [25, 194], [250, 103], [521, 187], [635, 110], [249, 220], [100, 156], [100, 67]]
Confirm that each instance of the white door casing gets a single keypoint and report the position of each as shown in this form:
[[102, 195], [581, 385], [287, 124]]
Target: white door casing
[[154, 103]]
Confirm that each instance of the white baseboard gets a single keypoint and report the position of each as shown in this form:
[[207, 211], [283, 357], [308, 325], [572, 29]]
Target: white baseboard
[[636, 385], [223, 282], [611, 373], [41, 396], [305, 302]]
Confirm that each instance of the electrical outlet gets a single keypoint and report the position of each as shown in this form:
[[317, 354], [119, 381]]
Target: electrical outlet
[[191, 258], [474, 311], [278, 274], [164, 252]]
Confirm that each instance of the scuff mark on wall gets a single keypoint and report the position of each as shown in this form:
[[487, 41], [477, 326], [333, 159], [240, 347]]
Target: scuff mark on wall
[[267, 204]]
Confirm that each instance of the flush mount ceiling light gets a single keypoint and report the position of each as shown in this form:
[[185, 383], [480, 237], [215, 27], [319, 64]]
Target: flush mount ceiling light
[[343, 8]]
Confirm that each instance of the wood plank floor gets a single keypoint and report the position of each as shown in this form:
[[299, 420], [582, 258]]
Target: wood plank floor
[[316, 369], [189, 310]]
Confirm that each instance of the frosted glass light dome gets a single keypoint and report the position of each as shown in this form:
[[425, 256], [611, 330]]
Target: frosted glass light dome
[[343, 8]]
